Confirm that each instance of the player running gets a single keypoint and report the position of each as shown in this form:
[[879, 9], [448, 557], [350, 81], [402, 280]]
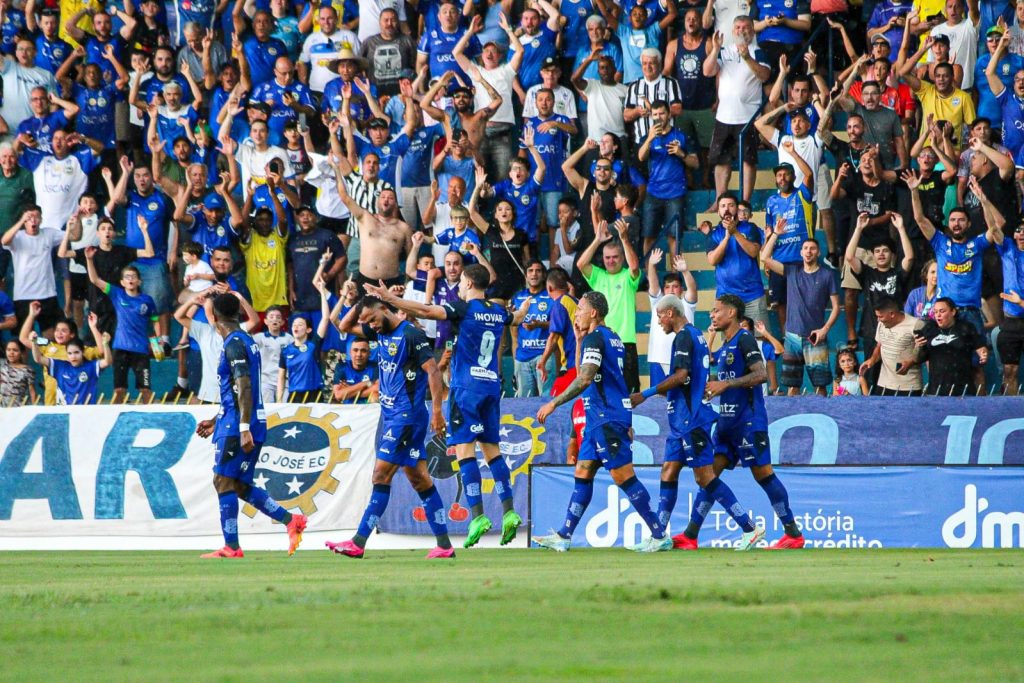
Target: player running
[[607, 437], [474, 411], [692, 421], [238, 433], [742, 437], [407, 367]]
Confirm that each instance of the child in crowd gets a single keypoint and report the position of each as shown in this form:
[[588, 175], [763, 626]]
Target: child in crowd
[[270, 342], [458, 236], [771, 349], [848, 381], [76, 377], [17, 379], [423, 276], [199, 277], [299, 378]]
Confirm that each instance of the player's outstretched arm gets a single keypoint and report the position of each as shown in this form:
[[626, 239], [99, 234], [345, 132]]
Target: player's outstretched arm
[[412, 307], [584, 378]]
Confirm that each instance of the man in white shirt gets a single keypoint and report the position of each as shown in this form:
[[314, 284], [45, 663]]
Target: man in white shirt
[[565, 100], [60, 176], [963, 39], [742, 70], [31, 247], [659, 342], [605, 97], [323, 47], [725, 12], [20, 75]]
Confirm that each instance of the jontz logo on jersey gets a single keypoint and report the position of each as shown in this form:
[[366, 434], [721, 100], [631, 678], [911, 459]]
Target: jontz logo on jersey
[[298, 459]]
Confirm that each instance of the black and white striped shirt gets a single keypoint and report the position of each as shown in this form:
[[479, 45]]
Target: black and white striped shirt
[[663, 88], [364, 194]]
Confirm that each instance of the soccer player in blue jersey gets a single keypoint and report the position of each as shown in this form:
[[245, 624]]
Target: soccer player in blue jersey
[[692, 421], [238, 433], [407, 367], [742, 437], [608, 437], [474, 411]]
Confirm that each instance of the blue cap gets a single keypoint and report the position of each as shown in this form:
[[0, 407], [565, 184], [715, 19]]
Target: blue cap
[[213, 201]]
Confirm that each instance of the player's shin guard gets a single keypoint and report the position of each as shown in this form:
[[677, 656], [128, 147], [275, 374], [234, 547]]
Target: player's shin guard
[[779, 498], [723, 495], [667, 501], [641, 500], [702, 504], [228, 503], [469, 470], [502, 481], [374, 511], [262, 501], [434, 508], [582, 492]]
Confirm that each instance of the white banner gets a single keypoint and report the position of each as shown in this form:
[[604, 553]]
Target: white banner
[[105, 472]]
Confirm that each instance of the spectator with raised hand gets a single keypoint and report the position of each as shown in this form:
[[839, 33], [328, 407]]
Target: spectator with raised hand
[[942, 98], [322, 46], [470, 118], [603, 97], [599, 47], [77, 376], [960, 32], [31, 245], [1000, 85], [299, 377], [523, 188], [287, 97], [61, 175], [434, 49], [636, 33], [1010, 342], [659, 342], [263, 239], [733, 248], [950, 347], [538, 38], [44, 121], [102, 34], [51, 48], [811, 290], [667, 155], [261, 48]]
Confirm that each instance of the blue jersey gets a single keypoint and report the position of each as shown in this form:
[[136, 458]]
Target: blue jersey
[[169, 129], [1013, 274], [458, 242], [737, 273], [198, 11], [332, 100], [157, 209], [239, 358], [239, 125], [403, 381], [14, 24], [419, 154], [796, 209], [574, 32], [210, 236], [50, 54], [633, 42], [438, 46], [1008, 66], [883, 12], [526, 199], [344, 372], [261, 56], [94, 54], [739, 406], [530, 343], [302, 363], [1012, 108], [788, 9], [456, 168], [43, 127], [389, 153], [476, 361], [261, 199], [607, 398], [667, 173], [959, 267], [75, 386], [553, 147], [133, 316], [96, 111], [535, 50], [687, 409], [155, 86], [272, 93]]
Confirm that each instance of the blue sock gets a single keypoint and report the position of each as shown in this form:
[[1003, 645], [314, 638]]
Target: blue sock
[[702, 504], [469, 470], [641, 501], [667, 501], [260, 500], [229, 518], [502, 481], [581, 495], [434, 508], [374, 510], [724, 496], [779, 498]]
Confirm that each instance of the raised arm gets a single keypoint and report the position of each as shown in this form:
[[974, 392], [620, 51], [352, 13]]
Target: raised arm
[[913, 181]]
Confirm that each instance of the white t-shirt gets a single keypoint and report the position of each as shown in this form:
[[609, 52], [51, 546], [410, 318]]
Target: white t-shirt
[[501, 80], [659, 342], [322, 177], [319, 51], [810, 148], [18, 83], [270, 355], [89, 239], [211, 344], [739, 90], [565, 102], [963, 47], [33, 264], [442, 221], [200, 267], [605, 104], [254, 163], [725, 12], [59, 183], [566, 260]]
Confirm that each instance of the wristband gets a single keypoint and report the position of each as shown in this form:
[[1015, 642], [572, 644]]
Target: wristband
[[647, 393], [243, 426]]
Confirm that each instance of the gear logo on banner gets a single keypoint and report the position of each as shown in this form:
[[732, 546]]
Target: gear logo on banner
[[298, 459]]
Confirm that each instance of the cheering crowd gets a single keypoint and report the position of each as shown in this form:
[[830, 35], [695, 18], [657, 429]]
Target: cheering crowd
[[155, 155]]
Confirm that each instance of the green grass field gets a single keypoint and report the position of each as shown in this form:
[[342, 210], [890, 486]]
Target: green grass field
[[512, 615]]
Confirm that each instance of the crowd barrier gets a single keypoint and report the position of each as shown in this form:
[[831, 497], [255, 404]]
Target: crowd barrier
[[122, 472]]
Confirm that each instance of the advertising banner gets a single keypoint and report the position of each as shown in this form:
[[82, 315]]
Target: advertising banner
[[836, 507], [141, 471]]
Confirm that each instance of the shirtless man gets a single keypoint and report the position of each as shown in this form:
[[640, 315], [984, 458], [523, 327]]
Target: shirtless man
[[383, 237], [474, 123]]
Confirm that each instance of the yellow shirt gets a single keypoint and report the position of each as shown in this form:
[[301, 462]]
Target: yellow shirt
[[68, 8], [60, 352], [925, 8], [957, 108], [265, 272]]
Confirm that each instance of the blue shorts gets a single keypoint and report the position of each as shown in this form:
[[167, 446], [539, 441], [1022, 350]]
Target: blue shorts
[[402, 445], [696, 449], [473, 417], [234, 463], [610, 443], [742, 445]]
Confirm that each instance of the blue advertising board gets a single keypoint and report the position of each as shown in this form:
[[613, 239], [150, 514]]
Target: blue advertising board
[[837, 507]]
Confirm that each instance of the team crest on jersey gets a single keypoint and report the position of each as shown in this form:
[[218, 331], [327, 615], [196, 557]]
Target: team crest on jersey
[[298, 459], [153, 206], [83, 376], [220, 231], [729, 358], [143, 309], [392, 349], [542, 306]]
